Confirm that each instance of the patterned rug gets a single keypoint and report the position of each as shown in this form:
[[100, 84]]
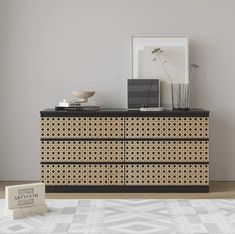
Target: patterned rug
[[127, 217]]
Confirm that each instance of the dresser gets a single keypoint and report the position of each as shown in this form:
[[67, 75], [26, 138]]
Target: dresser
[[119, 150]]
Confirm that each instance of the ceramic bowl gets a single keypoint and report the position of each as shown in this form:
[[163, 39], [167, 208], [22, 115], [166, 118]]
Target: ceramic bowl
[[83, 95]]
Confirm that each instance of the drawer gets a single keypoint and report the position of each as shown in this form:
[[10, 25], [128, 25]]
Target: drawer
[[167, 174], [167, 127], [82, 127], [167, 151], [82, 174], [82, 151]]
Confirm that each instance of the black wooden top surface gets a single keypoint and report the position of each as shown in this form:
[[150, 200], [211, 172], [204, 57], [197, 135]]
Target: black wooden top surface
[[125, 113]]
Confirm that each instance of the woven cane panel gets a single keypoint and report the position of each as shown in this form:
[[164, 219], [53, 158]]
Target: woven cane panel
[[167, 151], [167, 174], [82, 151], [116, 174], [82, 127], [167, 127], [82, 174]]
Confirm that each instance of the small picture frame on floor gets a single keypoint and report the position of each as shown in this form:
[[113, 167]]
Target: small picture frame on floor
[[25, 200]]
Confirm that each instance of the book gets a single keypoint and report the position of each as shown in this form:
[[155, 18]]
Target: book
[[78, 108], [24, 195]]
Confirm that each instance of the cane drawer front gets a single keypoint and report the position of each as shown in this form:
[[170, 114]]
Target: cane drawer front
[[167, 127], [167, 174], [82, 151], [82, 127], [116, 174], [82, 174], [167, 151]]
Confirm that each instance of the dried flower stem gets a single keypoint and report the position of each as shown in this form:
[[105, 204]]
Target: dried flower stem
[[164, 62], [158, 52], [192, 69]]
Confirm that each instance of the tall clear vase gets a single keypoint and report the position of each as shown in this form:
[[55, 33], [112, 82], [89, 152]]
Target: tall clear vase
[[180, 96]]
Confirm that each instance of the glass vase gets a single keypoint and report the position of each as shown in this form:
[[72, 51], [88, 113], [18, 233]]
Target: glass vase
[[180, 96]]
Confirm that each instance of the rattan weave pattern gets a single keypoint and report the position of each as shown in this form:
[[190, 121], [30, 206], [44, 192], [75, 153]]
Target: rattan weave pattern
[[82, 174], [82, 127], [125, 151], [167, 174], [167, 151], [82, 151], [167, 127]]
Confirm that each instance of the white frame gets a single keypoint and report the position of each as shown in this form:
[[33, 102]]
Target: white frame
[[139, 42]]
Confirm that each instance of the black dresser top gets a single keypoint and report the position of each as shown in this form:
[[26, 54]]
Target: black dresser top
[[118, 112]]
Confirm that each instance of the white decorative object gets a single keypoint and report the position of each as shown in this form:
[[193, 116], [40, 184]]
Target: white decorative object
[[83, 95], [152, 108], [161, 58], [64, 103], [24, 200]]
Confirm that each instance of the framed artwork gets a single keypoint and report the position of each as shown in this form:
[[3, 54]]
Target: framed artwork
[[143, 93], [166, 59]]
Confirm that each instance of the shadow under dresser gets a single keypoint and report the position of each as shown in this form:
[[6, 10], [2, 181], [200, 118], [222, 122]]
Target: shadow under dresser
[[118, 150]]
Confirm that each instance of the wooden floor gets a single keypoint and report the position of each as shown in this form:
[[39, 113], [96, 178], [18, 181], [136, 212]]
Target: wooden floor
[[218, 190]]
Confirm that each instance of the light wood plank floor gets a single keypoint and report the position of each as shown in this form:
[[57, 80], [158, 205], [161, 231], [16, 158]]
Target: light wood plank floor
[[218, 190]]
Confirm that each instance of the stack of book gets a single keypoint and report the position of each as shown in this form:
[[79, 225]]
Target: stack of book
[[78, 106], [25, 200]]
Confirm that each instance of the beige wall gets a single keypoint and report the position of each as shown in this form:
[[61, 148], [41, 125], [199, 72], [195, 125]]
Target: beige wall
[[49, 48]]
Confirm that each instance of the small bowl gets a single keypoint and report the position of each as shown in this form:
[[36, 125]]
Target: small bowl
[[83, 95]]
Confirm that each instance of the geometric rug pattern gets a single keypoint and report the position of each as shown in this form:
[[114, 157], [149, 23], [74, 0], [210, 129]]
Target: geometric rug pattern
[[127, 217]]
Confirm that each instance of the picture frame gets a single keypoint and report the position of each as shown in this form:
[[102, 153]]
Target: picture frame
[[143, 93], [163, 58]]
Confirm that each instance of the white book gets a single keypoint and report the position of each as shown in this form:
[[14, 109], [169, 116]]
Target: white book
[[25, 195], [152, 108]]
